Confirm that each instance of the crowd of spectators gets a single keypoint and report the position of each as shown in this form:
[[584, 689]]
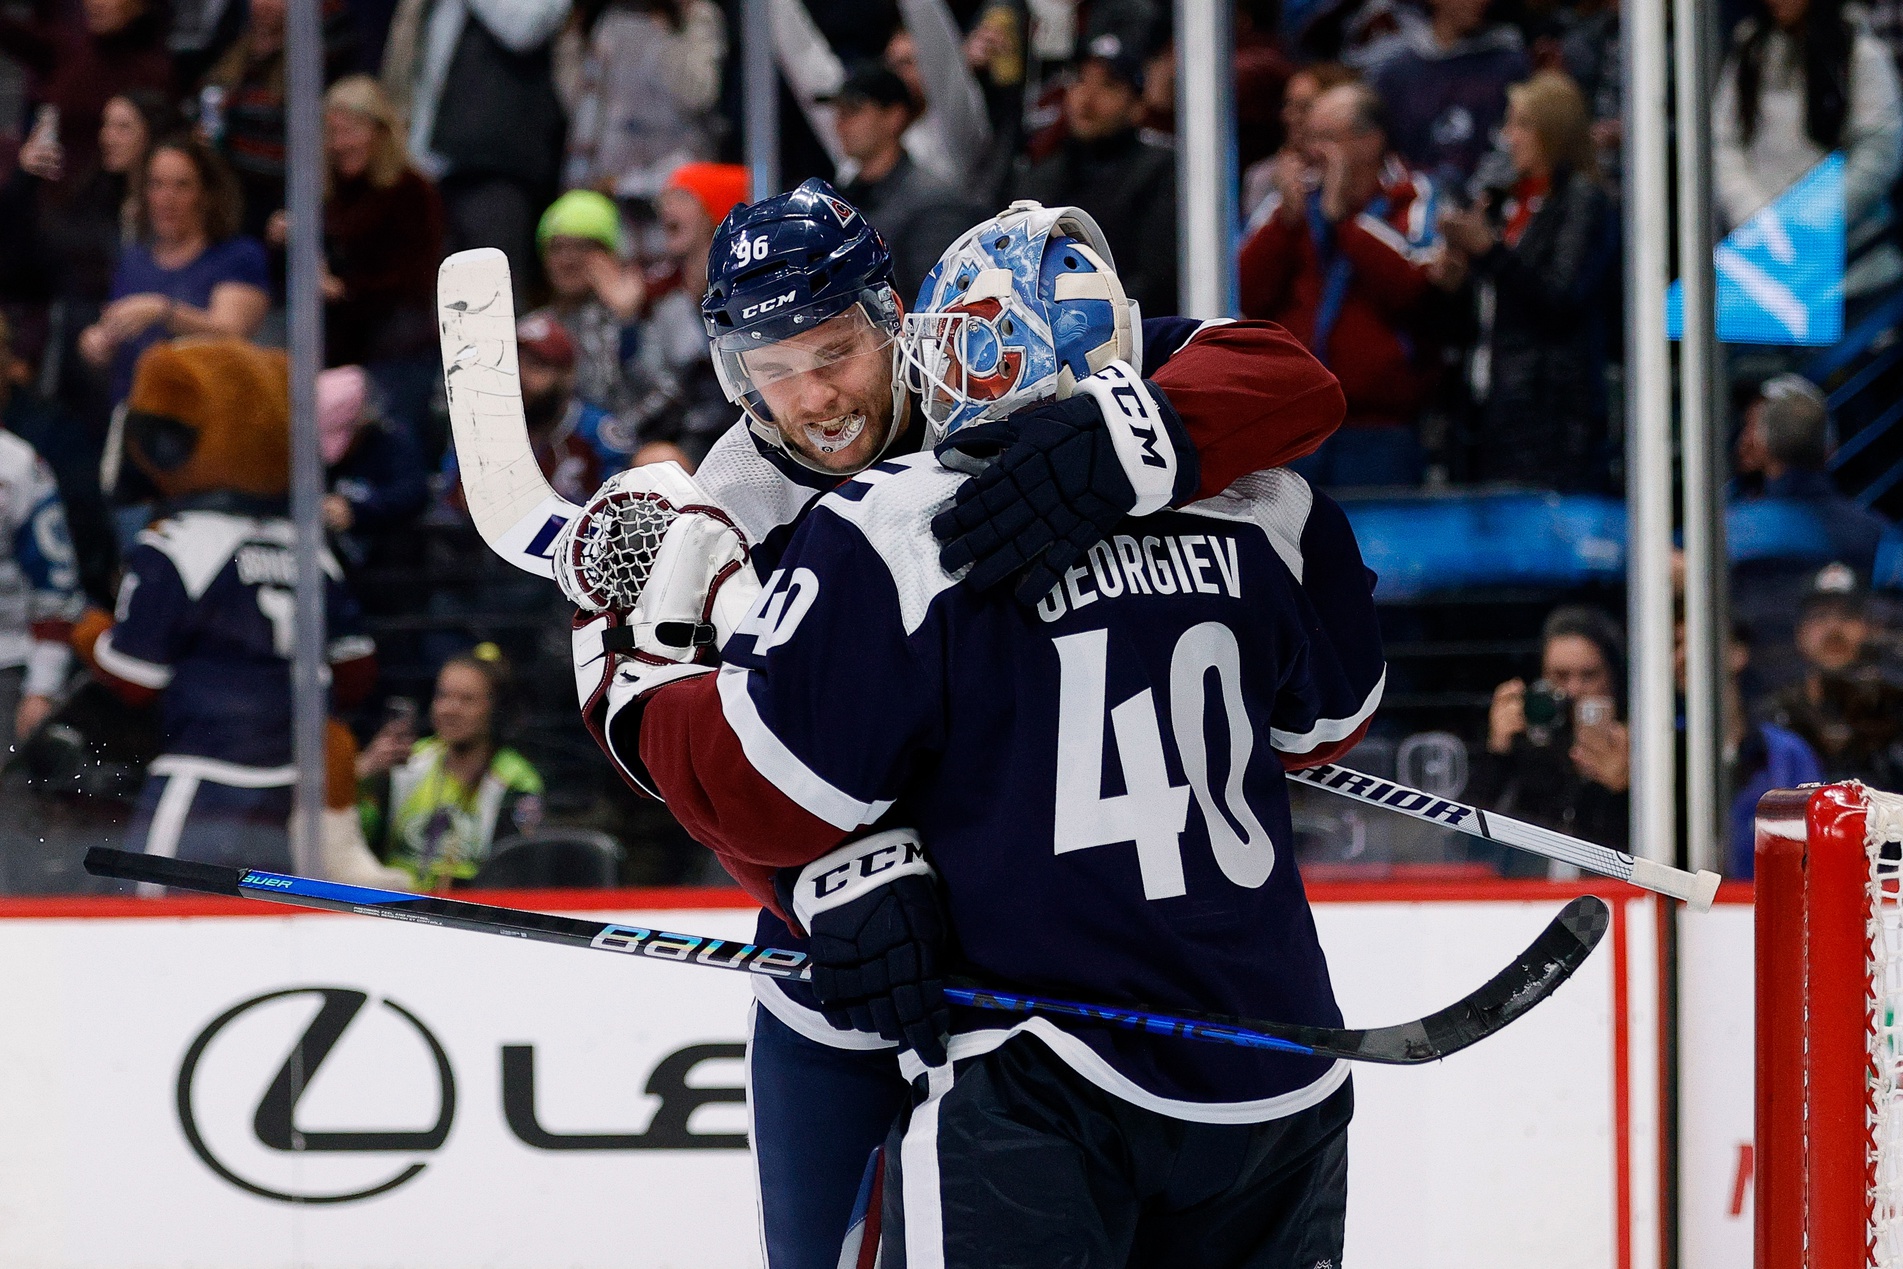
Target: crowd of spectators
[[1429, 200]]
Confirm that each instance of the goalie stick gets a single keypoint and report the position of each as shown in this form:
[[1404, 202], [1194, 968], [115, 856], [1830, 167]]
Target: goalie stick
[[1696, 889], [1551, 959], [517, 512]]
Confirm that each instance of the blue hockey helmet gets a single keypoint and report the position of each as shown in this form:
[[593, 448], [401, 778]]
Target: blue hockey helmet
[[780, 269], [1019, 309]]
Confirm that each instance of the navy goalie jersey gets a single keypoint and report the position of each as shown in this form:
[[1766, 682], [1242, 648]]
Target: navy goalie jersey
[[1098, 780]]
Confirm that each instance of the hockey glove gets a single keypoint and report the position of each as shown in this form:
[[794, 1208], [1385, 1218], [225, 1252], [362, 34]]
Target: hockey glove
[[1058, 476], [878, 930]]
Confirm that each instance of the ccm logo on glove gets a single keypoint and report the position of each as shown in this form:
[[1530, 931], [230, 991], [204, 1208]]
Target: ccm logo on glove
[[856, 869], [1142, 442]]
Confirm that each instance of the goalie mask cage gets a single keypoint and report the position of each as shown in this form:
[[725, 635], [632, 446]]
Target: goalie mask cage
[[1829, 936]]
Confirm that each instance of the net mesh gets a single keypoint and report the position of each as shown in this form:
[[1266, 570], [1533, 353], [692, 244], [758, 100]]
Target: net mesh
[[1883, 846], [617, 547]]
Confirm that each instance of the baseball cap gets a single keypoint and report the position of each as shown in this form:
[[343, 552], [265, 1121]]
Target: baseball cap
[[1835, 584], [874, 82], [581, 213], [541, 337]]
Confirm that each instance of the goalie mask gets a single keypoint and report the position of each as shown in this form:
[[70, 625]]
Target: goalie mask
[[800, 299], [1017, 310]]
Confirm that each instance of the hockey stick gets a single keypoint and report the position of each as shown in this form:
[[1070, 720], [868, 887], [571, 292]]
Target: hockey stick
[[515, 509], [1696, 889], [1559, 950]]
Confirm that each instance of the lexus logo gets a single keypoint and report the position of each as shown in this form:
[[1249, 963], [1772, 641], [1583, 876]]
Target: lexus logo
[[275, 1122], [387, 1055]]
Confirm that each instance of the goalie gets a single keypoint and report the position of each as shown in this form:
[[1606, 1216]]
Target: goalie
[[806, 330]]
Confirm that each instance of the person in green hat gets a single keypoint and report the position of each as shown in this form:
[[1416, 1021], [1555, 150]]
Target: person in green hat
[[596, 296]]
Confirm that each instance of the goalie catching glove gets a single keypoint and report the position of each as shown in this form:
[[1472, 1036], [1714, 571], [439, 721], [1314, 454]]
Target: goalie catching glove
[[1057, 476], [688, 588], [878, 934]]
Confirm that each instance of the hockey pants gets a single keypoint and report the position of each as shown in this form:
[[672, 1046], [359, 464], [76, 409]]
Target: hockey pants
[[1018, 1162], [818, 1114], [186, 816]]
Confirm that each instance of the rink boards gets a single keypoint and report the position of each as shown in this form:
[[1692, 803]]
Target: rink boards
[[475, 1101]]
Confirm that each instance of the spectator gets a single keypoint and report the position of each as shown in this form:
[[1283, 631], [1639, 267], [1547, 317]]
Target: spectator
[[475, 80], [1298, 100], [188, 272], [1786, 442], [63, 251], [39, 588], [86, 56], [952, 133], [1849, 705], [436, 807], [596, 296], [1558, 754], [1542, 253], [566, 434], [383, 237], [1802, 80], [1262, 74], [918, 216], [1127, 184], [1446, 88], [249, 86], [1341, 256], [641, 88], [673, 340], [372, 469], [1759, 756]]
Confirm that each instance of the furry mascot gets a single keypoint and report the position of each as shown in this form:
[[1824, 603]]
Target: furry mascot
[[205, 616]]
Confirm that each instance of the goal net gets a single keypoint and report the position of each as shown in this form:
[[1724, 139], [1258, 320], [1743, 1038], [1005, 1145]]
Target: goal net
[[1829, 1156]]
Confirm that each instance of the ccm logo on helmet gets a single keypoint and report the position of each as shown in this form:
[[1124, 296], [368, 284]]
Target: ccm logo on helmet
[[767, 306]]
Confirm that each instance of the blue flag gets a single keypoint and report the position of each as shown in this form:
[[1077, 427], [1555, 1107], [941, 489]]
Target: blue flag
[[1781, 273]]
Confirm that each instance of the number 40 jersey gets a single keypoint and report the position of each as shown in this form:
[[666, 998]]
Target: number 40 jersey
[[1098, 780]]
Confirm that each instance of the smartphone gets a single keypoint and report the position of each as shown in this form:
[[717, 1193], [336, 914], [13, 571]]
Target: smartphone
[[400, 709], [46, 125]]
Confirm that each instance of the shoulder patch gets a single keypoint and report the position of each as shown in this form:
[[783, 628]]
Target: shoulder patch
[[1276, 501], [892, 504]]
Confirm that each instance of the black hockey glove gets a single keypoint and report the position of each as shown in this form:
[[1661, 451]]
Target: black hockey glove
[[878, 931], [1060, 475]]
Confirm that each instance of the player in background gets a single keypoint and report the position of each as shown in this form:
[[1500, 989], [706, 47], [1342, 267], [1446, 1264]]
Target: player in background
[[815, 413], [868, 691], [39, 590]]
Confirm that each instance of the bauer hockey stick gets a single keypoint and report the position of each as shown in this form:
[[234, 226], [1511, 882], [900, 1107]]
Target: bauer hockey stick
[[517, 512], [1551, 959], [1696, 889]]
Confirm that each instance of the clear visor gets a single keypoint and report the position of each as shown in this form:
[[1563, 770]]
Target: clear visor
[[955, 360], [764, 363]]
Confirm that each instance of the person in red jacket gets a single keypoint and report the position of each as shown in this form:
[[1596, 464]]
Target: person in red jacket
[[1341, 256]]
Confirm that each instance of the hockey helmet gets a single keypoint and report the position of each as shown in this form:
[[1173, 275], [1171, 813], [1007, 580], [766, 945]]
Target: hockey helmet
[[780, 269], [1017, 310]]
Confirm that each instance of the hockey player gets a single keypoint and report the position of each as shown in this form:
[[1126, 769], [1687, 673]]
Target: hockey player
[[867, 689], [39, 590], [205, 619], [1248, 398]]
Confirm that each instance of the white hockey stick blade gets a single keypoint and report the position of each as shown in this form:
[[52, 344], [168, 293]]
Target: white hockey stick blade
[[1695, 889], [515, 509]]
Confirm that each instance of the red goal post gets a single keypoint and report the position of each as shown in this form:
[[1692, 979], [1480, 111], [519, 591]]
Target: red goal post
[[1829, 935]]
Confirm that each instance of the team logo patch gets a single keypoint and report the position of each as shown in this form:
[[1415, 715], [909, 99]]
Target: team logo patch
[[842, 209]]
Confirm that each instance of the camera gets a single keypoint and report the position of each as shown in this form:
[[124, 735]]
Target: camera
[[1545, 708]]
